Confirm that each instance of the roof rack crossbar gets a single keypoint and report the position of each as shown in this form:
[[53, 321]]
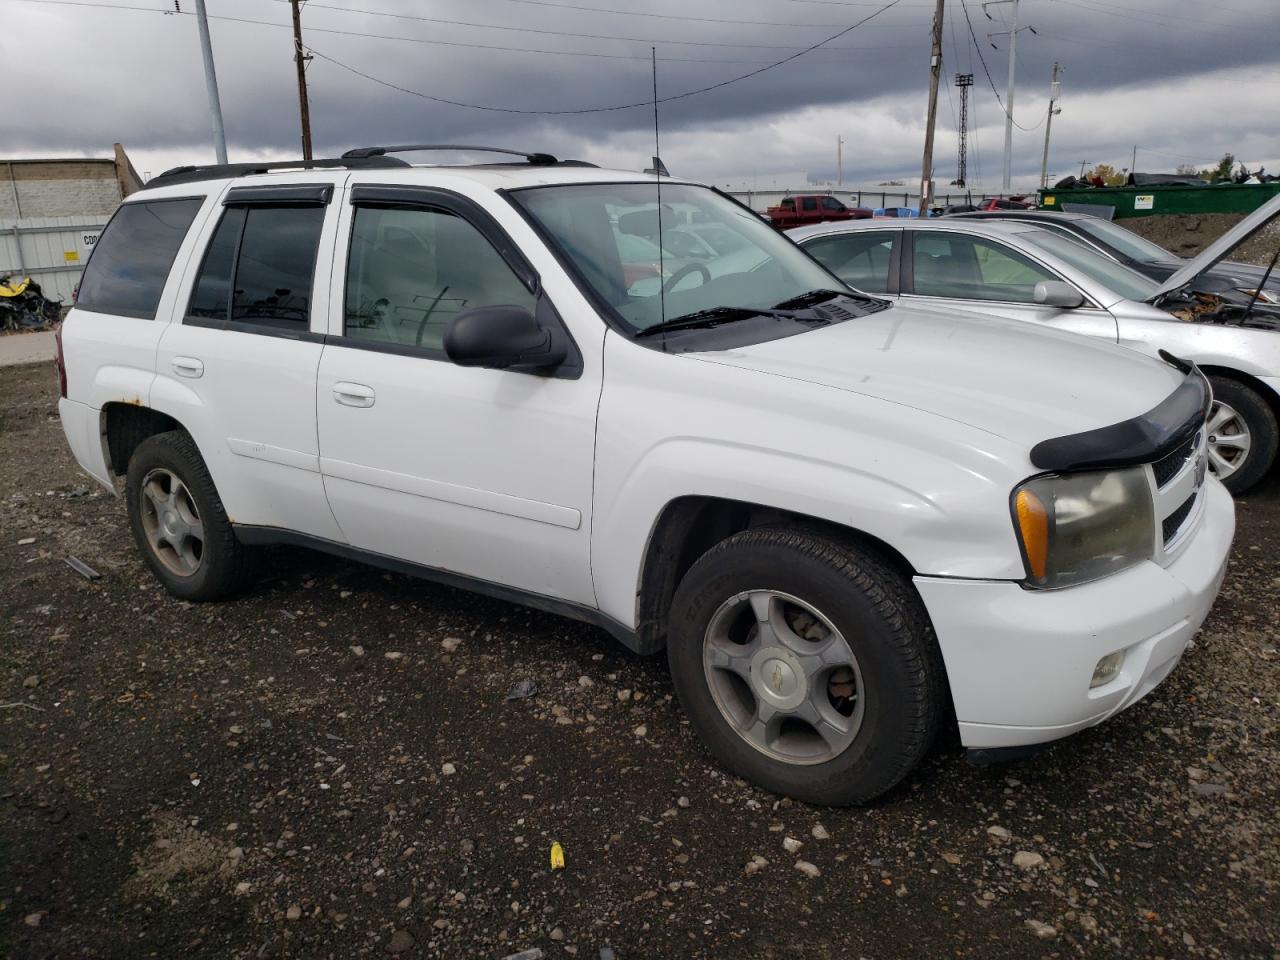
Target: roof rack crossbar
[[537, 159], [194, 174]]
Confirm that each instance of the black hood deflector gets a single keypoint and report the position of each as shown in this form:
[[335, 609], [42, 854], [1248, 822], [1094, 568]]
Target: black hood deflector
[[1142, 439]]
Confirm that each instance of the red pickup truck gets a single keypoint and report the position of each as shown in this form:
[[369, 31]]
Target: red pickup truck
[[812, 208]]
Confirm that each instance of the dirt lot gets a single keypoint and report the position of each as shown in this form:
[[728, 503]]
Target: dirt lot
[[327, 767], [1188, 234]]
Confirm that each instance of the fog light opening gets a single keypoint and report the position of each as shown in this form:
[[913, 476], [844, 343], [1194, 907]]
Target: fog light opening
[[1108, 669]]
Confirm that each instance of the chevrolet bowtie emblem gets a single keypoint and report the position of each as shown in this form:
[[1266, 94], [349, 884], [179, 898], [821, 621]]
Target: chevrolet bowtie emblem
[[777, 678]]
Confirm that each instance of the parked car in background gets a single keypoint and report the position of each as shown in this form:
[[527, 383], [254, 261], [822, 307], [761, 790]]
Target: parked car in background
[[905, 213], [848, 522], [816, 208], [1021, 270], [1234, 282], [1005, 203]]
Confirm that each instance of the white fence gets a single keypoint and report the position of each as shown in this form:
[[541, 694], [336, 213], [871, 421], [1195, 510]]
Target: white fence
[[50, 250]]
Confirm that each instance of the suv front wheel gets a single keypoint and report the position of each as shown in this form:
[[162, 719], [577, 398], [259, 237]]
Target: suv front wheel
[[806, 664], [178, 522]]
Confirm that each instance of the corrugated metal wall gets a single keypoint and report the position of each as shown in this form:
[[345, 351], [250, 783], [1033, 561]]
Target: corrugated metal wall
[[50, 250]]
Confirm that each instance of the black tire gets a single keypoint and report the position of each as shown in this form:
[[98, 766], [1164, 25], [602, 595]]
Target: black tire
[[1260, 420], [867, 601], [225, 564]]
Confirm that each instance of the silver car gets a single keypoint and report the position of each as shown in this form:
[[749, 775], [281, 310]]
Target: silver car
[[1023, 271]]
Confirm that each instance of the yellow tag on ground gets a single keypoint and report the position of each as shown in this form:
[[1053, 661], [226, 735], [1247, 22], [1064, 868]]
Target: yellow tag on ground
[[557, 856]]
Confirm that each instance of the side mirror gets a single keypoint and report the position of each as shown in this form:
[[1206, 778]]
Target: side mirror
[[1055, 293], [501, 337]]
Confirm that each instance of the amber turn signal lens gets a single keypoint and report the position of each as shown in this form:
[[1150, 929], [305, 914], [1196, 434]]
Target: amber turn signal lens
[[1033, 523]]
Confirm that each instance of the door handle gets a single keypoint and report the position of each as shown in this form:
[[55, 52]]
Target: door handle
[[188, 367], [353, 394]]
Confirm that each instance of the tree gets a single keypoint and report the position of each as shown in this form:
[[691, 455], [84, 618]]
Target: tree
[[1222, 171], [1188, 170], [1109, 175]]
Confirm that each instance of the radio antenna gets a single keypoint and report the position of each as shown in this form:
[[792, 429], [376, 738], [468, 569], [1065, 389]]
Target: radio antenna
[[657, 177]]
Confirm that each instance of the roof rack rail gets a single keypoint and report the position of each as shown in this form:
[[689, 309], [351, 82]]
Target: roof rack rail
[[220, 171], [537, 159]]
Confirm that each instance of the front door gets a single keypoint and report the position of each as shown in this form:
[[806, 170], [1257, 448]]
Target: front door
[[479, 472]]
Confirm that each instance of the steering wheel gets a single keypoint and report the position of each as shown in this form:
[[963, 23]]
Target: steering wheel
[[683, 272]]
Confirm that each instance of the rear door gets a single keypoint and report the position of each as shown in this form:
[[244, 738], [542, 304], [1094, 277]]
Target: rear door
[[238, 367], [482, 473], [975, 273], [866, 260]]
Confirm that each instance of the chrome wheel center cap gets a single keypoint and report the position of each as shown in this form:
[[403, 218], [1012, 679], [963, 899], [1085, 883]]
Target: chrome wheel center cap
[[170, 522], [776, 677]]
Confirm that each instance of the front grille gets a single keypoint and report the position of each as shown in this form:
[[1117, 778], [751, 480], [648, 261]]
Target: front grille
[[1174, 521], [1166, 468]]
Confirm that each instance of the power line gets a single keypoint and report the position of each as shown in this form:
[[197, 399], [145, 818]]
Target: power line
[[983, 61], [449, 43], [615, 107], [557, 33]]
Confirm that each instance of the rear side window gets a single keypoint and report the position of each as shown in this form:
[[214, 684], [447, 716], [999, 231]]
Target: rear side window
[[259, 266], [132, 259], [809, 203], [859, 259]]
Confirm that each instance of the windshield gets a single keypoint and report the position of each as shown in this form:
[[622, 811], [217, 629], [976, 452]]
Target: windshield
[[714, 252], [1126, 241], [1114, 276]]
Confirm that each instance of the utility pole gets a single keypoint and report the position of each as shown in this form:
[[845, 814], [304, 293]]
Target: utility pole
[[964, 81], [839, 160], [300, 61], [1134, 165], [935, 68], [1055, 89], [1082, 163], [1009, 87], [211, 83]]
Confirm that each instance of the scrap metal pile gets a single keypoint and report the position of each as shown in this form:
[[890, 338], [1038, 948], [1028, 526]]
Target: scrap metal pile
[[23, 306]]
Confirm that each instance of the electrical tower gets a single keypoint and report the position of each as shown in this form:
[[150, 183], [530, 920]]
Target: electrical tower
[[964, 81]]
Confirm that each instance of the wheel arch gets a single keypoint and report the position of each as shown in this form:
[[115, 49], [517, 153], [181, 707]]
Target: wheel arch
[[126, 425], [1254, 383], [689, 526]]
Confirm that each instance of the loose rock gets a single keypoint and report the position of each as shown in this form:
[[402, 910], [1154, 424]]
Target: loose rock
[[401, 941], [1026, 860], [808, 869], [1042, 930]]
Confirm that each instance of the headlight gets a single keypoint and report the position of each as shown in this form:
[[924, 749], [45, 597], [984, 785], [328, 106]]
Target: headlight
[[1078, 527]]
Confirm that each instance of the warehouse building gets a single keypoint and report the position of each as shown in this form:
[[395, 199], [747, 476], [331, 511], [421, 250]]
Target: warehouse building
[[52, 212]]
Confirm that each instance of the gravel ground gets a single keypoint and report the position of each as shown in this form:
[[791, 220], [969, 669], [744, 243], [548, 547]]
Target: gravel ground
[[327, 767]]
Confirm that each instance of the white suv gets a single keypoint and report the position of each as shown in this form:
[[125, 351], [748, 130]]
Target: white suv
[[848, 522]]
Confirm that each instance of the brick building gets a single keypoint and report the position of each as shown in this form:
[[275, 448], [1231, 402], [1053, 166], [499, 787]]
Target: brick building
[[65, 188]]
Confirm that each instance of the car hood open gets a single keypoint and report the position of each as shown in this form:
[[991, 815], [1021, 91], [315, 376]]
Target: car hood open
[[1006, 377], [1217, 250]]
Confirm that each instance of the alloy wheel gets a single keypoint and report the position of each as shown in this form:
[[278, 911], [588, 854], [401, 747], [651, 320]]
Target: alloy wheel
[[1229, 440], [171, 522], [783, 677]]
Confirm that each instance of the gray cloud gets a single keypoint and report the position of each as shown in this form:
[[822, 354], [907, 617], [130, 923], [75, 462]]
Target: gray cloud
[[1183, 81]]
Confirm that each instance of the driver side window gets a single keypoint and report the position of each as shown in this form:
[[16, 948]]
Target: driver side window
[[961, 267], [410, 271]]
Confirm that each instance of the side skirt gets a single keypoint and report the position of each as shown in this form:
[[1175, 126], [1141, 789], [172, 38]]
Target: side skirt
[[251, 535]]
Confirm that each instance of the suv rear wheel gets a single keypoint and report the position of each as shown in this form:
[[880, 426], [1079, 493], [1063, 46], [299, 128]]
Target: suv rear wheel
[[1242, 435], [178, 521], [806, 664]]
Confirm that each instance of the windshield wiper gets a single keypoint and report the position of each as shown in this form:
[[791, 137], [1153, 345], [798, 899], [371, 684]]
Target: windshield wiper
[[812, 297], [714, 316]]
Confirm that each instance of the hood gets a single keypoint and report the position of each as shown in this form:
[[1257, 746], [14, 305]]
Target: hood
[[1213, 253], [1006, 377]]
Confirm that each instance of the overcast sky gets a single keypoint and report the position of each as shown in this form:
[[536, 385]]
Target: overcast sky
[[1184, 80]]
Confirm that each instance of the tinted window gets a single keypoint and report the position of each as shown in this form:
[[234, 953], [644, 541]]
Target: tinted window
[[831, 203], [131, 261], [264, 257], [212, 295], [410, 272], [970, 268], [809, 203], [859, 259]]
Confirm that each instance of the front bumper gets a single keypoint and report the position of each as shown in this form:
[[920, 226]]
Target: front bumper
[[1019, 661]]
